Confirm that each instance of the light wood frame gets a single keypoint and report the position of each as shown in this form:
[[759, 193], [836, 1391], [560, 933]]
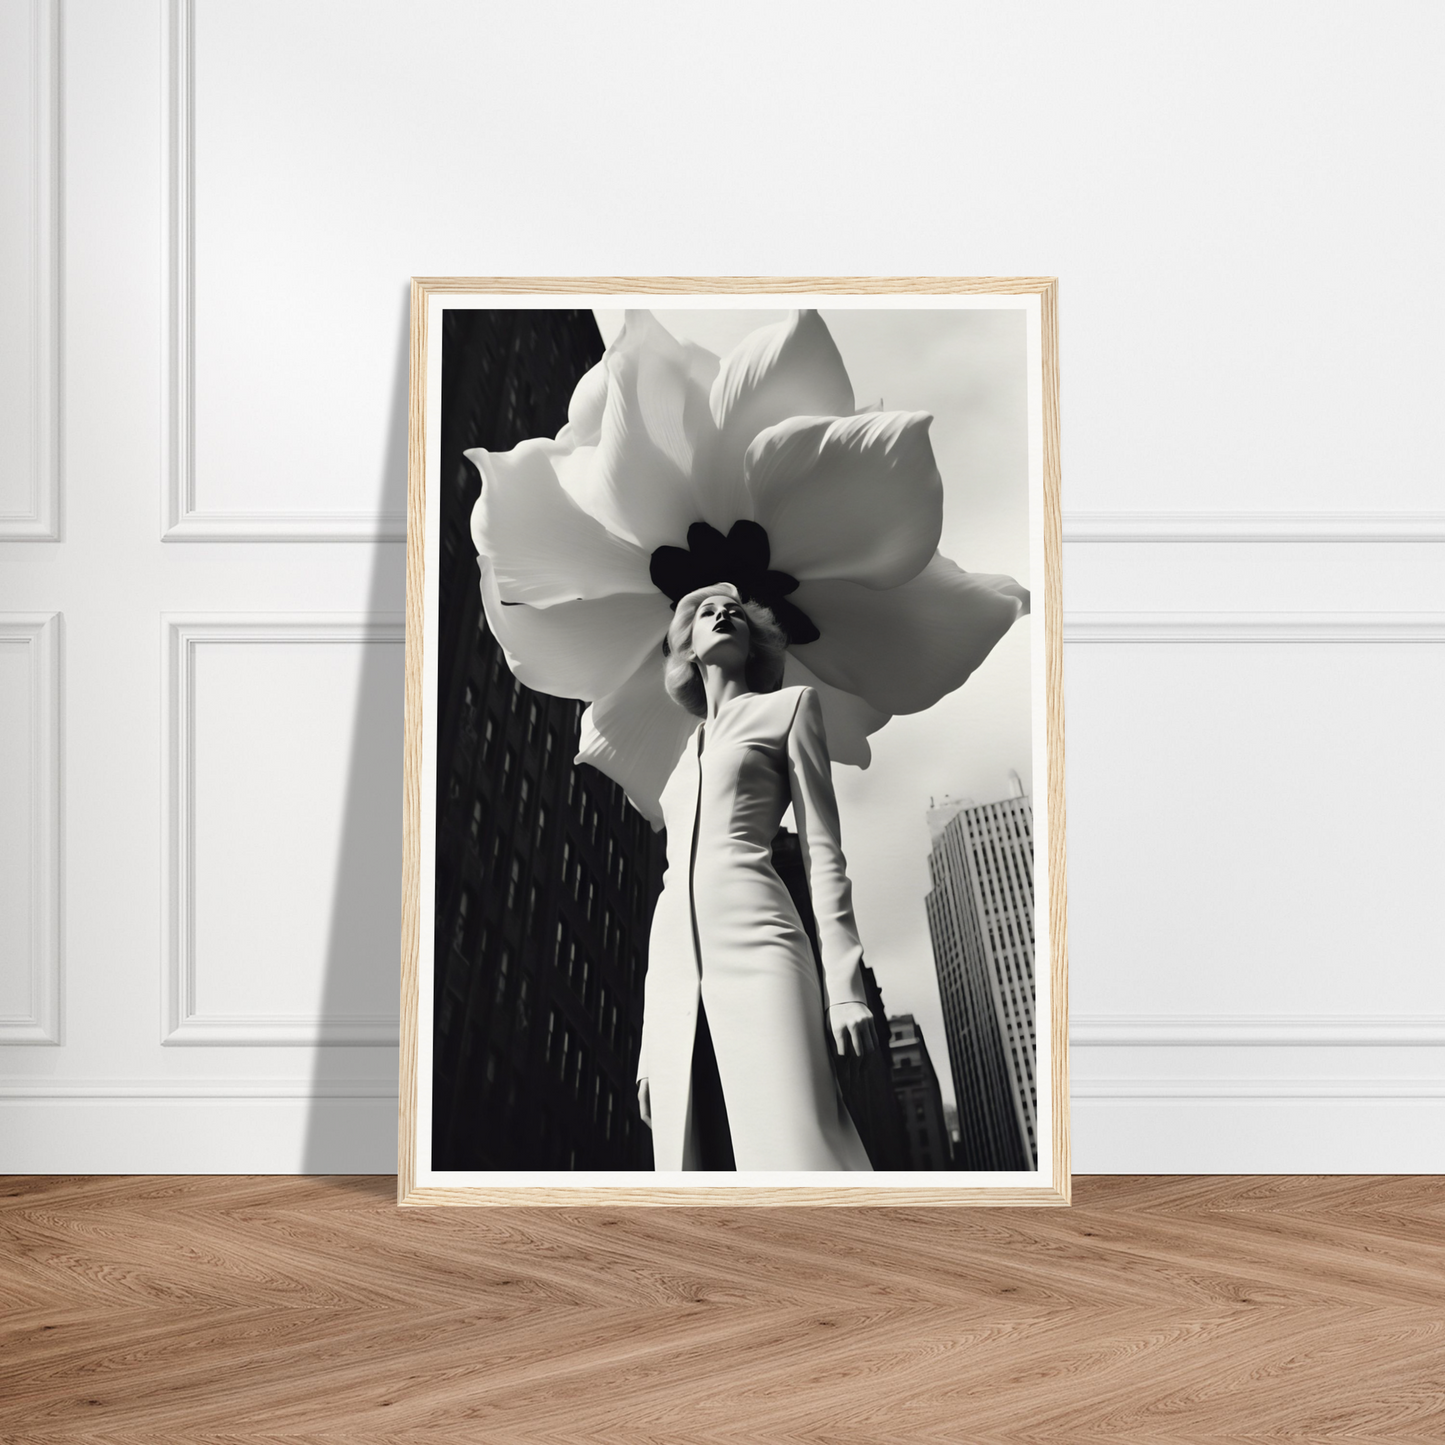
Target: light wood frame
[[408, 1191]]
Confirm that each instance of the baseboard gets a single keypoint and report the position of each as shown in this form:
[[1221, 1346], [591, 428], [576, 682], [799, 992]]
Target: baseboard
[[1129, 1127], [127, 1133], [1150, 1133]]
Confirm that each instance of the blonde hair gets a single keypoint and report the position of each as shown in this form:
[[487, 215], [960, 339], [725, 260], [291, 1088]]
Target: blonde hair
[[766, 653]]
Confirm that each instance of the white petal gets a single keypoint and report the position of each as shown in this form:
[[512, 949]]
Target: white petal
[[543, 547], [847, 718], [635, 736], [638, 481], [854, 497], [584, 411], [791, 368], [576, 649], [905, 647]]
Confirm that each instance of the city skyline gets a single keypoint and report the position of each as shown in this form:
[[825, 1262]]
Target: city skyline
[[981, 921]]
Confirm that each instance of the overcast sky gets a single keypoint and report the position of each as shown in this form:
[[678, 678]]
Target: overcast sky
[[968, 368]]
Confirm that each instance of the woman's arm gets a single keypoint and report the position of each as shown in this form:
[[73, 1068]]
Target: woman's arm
[[816, 810]]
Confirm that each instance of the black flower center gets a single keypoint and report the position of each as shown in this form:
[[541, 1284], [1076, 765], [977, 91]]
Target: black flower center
[[740, 558]]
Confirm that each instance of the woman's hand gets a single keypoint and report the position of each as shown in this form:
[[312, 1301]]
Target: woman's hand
[[644, 1102], [852, 1025]]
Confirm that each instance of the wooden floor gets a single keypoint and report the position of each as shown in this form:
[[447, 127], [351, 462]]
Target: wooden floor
[[1156, 1309]]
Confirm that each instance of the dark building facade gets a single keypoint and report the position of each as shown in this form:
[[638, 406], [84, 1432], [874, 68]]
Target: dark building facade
[[981, 918], [545, 876], [866, 1083], [920, 1100]]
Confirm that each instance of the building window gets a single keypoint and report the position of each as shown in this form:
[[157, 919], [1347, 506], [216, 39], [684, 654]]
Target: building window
[[516, 692], [504, 965], [489, 738], [513, 883], [533, 716], [549, 750], [541, 835], [508, 763], [464, 907], [476, 827]]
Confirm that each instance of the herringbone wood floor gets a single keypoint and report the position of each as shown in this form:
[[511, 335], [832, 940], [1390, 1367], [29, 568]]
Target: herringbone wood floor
[[1156, 1309]]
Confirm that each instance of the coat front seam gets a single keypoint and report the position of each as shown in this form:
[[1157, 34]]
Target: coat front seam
[[692, 859]]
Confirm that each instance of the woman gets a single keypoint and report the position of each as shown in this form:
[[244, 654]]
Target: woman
[[737, 1026]]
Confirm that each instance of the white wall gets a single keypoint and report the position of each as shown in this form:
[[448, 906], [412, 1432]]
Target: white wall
[[209, 213]]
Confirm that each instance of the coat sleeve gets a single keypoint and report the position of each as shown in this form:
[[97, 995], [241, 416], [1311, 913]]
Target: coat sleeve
[[816, 810]]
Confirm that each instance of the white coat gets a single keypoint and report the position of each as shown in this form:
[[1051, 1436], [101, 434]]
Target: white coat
[[725, 929]]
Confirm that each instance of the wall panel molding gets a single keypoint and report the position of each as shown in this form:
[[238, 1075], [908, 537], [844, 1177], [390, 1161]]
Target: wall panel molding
[[1254, 526], [1321, 1031], [1262, 1088], [1253, 627], [209, 1088], [181, 1022], [182, 520], [39, 635], [40, 521], [1253, 1031]]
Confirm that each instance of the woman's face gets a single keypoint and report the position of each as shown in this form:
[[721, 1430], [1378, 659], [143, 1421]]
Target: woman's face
[[720, 632]]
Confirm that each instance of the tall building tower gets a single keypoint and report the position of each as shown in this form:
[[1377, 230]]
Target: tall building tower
[[915, 1084], [981, 918], [545, 875]]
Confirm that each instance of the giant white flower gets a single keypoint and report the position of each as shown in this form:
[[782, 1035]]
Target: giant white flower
[[677, 470]]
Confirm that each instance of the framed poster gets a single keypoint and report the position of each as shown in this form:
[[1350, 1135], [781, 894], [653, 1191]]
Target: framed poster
[[734, 808]]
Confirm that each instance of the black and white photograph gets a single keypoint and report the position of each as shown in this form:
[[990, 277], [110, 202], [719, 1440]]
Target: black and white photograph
[[734, 752]]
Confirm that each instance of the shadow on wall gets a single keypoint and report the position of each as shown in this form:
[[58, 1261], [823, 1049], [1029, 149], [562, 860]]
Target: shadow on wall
[[351, 1125]]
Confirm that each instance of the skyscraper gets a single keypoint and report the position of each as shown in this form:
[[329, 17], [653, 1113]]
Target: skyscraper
[[545, 875], [981, 918], [915, 1085]]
